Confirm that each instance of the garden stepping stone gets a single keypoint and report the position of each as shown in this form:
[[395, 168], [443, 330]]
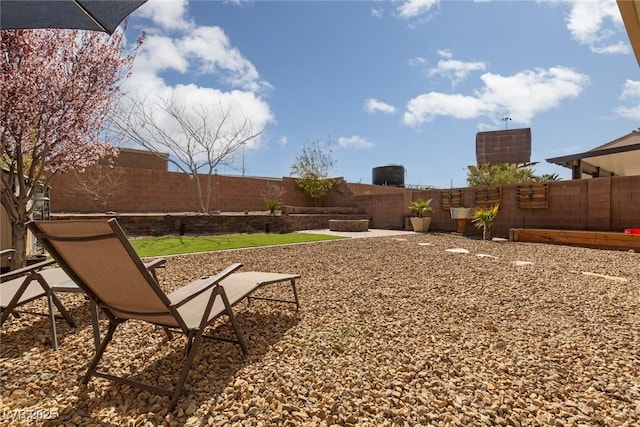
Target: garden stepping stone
[[486, 256], [458, 251], [604, 276]]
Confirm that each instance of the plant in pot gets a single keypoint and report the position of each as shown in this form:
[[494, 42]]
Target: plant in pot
[[421, 208], [483, 218]]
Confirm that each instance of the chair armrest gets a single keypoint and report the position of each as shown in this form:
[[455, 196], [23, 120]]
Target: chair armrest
[[26, 270], [7, 252], [188, 292]]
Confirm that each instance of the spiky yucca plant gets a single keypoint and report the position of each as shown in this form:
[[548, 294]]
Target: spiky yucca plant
[[483, 218]]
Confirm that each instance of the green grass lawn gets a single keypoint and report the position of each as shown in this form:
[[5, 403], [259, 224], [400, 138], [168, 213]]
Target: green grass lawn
[[171, 245]]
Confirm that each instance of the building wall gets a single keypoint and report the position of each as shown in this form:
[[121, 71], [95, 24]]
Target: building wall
[[503, 146], [142, 159]]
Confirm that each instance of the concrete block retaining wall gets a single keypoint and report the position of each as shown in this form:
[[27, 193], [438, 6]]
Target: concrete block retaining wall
[[195, 224]]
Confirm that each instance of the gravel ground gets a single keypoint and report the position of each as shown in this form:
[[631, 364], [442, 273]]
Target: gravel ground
[[392, 331]]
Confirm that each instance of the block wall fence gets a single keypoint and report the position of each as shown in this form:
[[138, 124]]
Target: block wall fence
[[157, 191], [598, 204]]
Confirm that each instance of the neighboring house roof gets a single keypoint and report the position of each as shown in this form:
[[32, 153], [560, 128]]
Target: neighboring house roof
[[620, 157]]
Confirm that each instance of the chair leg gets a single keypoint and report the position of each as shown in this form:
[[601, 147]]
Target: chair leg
[[234, 323], [52, 320], [99, 351], [193, 341], [4, 314], [14, 301], [95, 323], [52, 300], [168, 333], [63, 311], [295, 293]]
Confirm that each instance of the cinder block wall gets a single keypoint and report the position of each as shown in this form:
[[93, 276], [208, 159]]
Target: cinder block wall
[[146, 190], [625, 202], [600, 204]]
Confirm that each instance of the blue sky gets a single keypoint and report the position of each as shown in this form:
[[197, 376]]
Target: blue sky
[[397, 82]]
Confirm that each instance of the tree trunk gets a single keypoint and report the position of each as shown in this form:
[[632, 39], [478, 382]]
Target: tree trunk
[[486, 232], [207, 198], [15, 207], [196, 180], [19, 239]]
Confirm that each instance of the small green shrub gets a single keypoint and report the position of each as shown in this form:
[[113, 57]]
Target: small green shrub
[[272, 205]]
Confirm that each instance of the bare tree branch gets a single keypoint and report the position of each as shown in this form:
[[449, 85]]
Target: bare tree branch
[[198, 138]]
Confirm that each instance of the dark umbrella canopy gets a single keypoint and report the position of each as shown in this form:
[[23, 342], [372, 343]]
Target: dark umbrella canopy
[[97, 15]]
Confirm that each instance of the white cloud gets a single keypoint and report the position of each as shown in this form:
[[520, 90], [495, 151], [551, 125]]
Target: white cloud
[[160, 53], [283, 141], [169, 14], [196, 101], [632, 113], [418, 60], [455, 69], [376, 13], [522, 95], [445, 53], [354, 141], [631, 90], [212, 48], [198, 52], [530, 92], [631, 93], [240, 3], [426, 106], [372, 105], [617, 48], [593, 23], [413, 8]]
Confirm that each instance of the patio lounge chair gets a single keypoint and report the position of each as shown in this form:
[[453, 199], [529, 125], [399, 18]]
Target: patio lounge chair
[[39, 280], [27, 284], [102, 262]]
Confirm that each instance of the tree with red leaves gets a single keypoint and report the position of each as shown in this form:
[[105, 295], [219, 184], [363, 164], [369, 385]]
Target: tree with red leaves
[[59, 89]]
